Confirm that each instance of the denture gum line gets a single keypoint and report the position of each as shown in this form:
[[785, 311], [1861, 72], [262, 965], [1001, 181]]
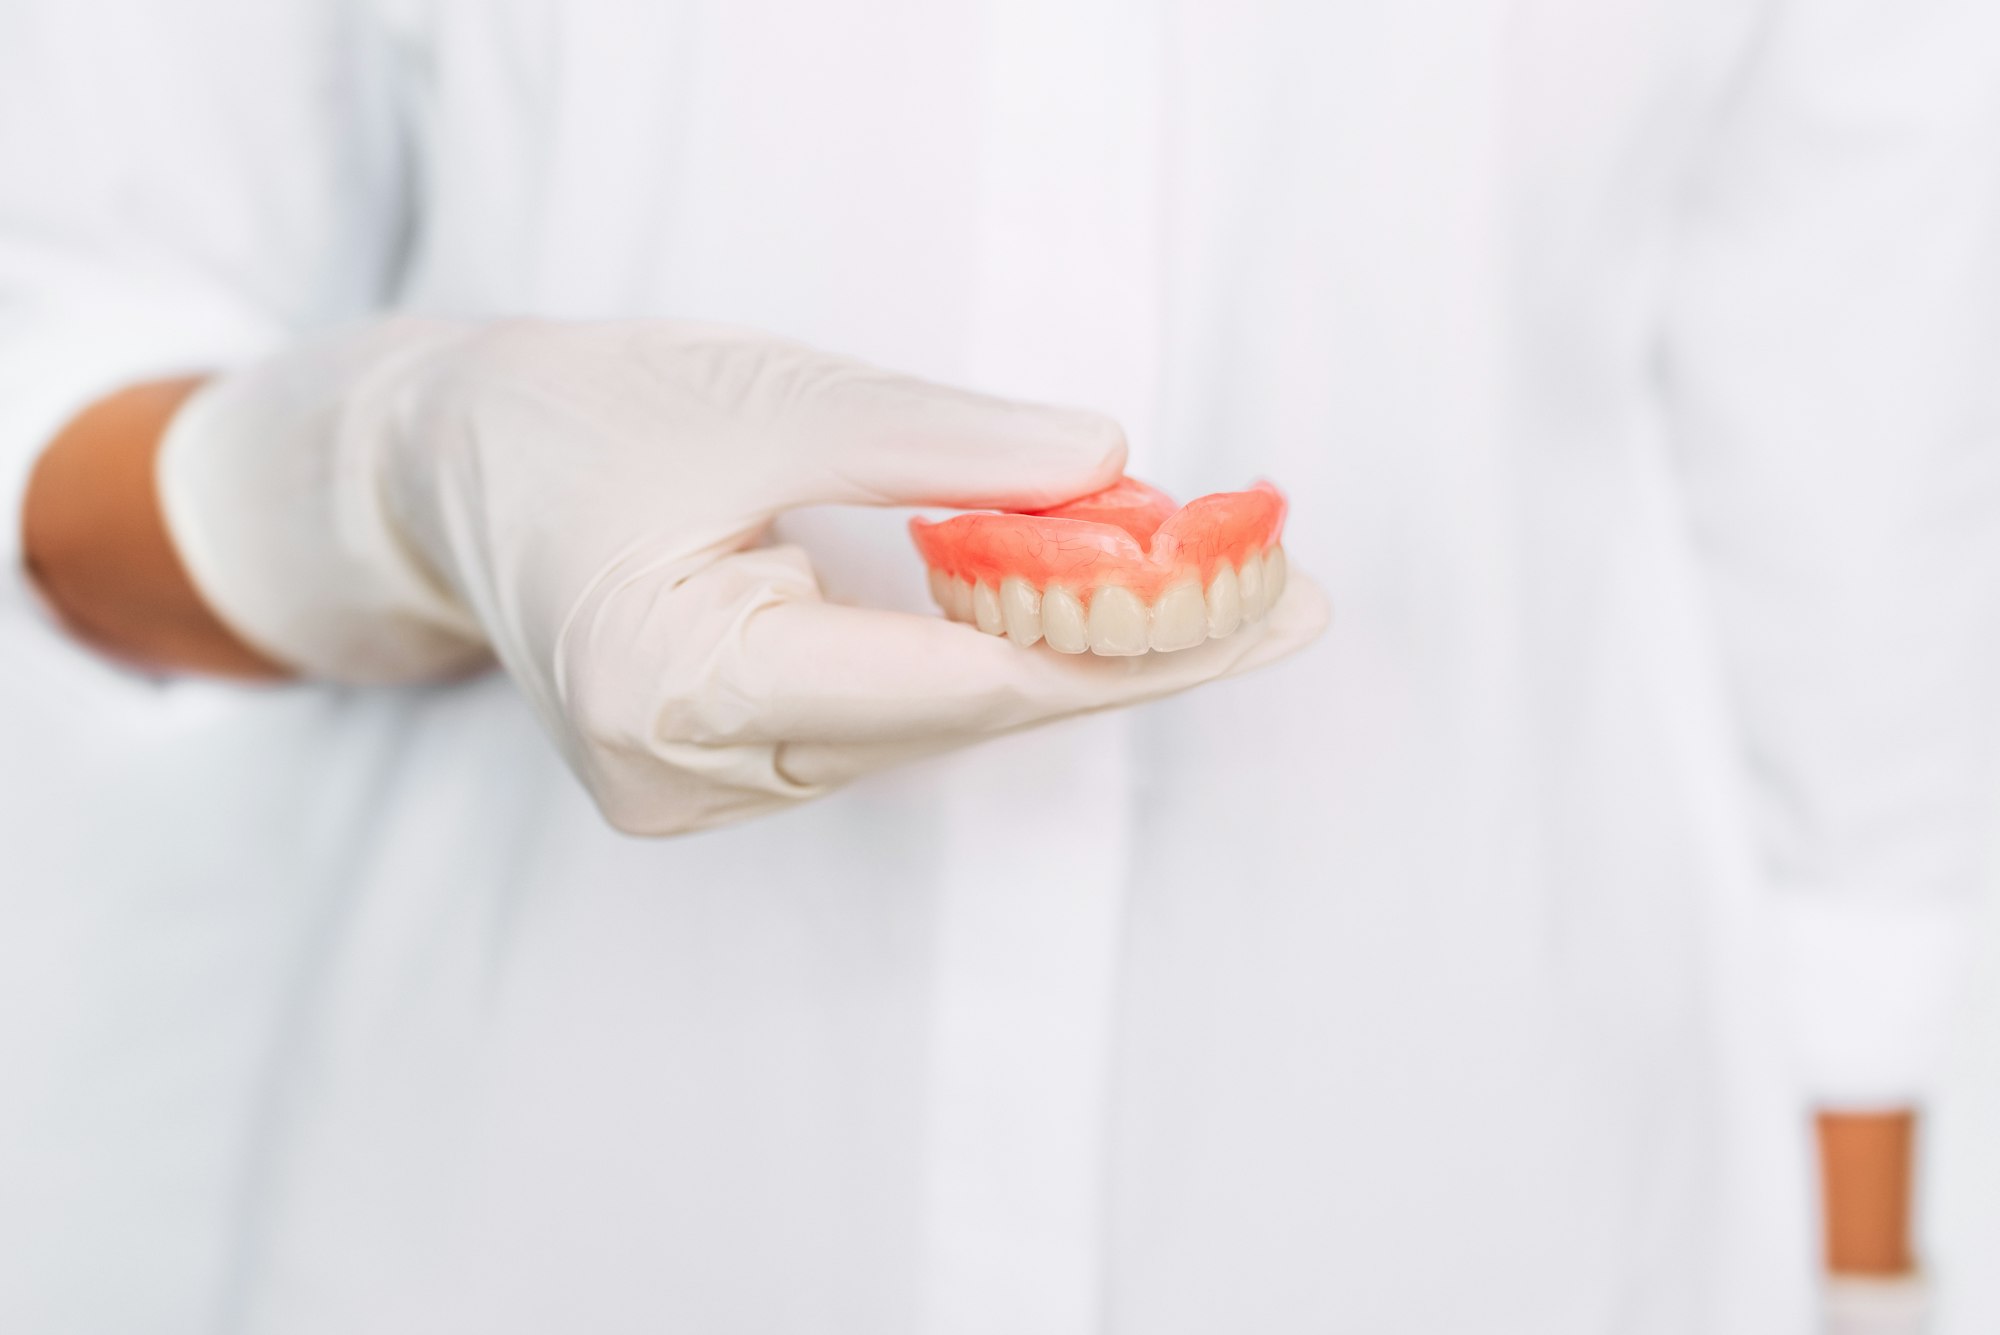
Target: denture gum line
[[1112, 620]]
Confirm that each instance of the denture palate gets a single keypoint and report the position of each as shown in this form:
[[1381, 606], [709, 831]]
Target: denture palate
[[1123, 572]]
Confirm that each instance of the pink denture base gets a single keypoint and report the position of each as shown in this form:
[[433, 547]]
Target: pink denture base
[[1130, 534]]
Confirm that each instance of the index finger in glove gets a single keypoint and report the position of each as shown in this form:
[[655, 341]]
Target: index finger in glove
[[788, 668]]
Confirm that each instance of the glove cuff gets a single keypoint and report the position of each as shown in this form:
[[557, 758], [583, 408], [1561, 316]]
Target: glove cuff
[[271, 481]]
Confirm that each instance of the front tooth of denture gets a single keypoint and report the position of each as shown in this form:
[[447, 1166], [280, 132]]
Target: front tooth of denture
[[1274, 574], [941, 588], [1225, 602], [1062, 621], [1250, 587], [960, 607], [1180, 619], [1021, 610], [986, 609], [1117, 622]]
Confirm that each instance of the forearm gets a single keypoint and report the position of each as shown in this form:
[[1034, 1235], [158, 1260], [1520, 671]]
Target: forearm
[[96, 542], [1866, 1171]]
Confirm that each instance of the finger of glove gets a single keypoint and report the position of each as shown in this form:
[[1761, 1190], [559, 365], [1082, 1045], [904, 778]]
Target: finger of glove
[[1295, 622], [787, 668], [640, 648], [679, 788], [866, 436]]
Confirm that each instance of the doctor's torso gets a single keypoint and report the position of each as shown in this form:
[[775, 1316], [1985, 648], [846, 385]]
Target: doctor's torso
[[1248, 1011]]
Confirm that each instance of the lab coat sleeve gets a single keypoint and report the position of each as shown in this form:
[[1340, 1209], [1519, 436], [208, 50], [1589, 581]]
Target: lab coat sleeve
[[1831, 361], [182, 186]]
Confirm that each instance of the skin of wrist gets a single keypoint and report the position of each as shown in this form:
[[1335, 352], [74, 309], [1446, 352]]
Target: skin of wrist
[[96, 546], [1867, 1168]]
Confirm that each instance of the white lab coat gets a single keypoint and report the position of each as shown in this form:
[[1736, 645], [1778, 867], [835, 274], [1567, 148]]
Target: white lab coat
[[1470, 972]]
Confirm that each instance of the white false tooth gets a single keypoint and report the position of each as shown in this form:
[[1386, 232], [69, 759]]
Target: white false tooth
[[1274, 574], [961, 600], [1225, 602], [1117, 622], [1021, 610], [986, 609], [1062, 621], [941, 588], [1180, 619], [1250, 587]]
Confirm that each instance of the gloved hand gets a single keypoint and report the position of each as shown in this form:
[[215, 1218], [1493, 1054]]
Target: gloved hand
[[585, 501]]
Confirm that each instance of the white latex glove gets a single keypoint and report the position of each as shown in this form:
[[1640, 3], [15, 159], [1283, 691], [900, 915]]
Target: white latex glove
[[586, 501]]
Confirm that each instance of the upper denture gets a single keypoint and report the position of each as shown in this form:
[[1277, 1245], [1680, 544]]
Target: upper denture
[[1122, 571]]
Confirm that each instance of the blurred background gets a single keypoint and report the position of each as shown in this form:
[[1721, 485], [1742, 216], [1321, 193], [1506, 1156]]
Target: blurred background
[[1960, 1190]]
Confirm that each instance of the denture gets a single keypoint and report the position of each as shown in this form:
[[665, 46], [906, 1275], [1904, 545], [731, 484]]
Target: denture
[[1123, 571]]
